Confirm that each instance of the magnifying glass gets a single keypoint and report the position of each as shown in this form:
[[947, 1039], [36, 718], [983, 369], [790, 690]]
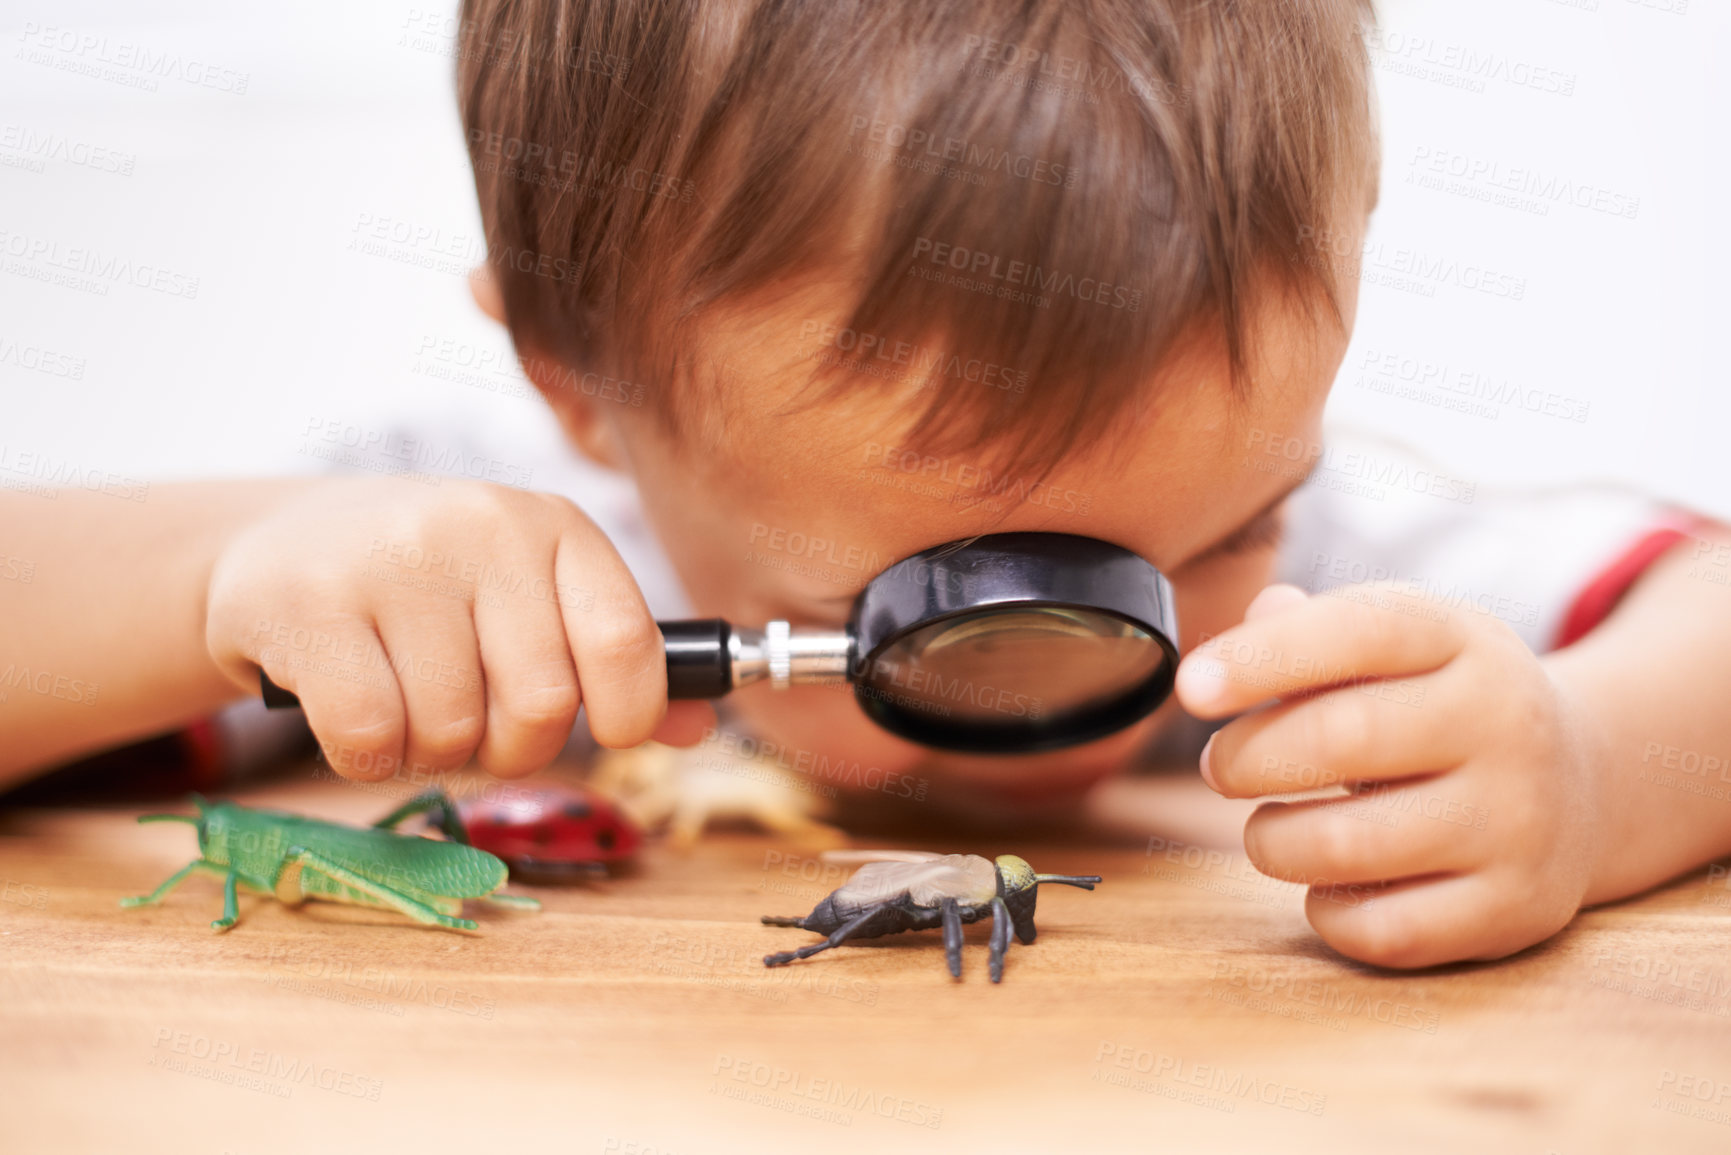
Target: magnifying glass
[[1006, 643]]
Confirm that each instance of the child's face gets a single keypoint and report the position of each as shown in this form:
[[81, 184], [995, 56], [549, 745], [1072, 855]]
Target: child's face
[[791, 510]]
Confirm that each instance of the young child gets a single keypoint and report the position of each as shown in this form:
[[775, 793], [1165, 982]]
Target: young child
[[886, 276]]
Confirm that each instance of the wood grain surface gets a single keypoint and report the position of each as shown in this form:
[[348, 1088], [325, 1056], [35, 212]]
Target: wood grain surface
[[1183, 1006]]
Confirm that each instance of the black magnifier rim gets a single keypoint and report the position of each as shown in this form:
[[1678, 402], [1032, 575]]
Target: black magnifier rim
[[1023, 570]]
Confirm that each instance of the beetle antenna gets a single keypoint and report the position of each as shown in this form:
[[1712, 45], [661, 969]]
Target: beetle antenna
[[186, 818], [1085, 881]]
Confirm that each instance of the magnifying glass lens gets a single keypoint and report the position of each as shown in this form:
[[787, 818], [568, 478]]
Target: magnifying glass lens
[[991, 667]]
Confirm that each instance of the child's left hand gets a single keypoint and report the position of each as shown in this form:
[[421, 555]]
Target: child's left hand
[[1473, 823]]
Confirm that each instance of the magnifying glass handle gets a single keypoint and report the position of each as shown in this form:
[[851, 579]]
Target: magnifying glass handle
[[699, 658], [708, 658]]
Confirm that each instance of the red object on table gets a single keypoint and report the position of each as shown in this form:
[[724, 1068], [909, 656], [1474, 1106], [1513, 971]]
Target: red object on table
[[550, 831]]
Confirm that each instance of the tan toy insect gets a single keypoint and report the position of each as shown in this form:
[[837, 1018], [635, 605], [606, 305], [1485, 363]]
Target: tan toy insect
[[683, 790]]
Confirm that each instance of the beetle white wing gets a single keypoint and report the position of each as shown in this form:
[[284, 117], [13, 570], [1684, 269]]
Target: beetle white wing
[[964, 877]]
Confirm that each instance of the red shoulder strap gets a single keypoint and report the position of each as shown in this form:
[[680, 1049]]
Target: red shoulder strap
[[1600, 596]]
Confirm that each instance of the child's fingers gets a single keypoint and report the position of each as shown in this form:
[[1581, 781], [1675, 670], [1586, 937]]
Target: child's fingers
[[532, 694], [431, 644], [352, 703], [620, 657], [1427, 922], [1392, 832], [1378, 730], [1319, 642]]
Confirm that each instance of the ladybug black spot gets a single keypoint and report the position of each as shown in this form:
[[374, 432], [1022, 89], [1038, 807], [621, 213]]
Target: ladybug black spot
[[605, 840], [543, 834]]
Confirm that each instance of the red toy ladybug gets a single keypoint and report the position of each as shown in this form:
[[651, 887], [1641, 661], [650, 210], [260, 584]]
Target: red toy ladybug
[[546, 832]]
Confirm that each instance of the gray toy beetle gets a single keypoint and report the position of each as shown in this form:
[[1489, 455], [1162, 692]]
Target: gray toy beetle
[[899, 890]]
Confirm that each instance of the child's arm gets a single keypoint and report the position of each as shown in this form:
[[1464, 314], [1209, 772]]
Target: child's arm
[[1497, 791], [419, 625], [102, 620], [1655, 681]]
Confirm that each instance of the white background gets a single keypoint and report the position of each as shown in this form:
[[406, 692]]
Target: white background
[[348, 123]]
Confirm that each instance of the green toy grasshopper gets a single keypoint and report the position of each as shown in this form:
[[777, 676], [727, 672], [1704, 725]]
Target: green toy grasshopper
[[297, 858]]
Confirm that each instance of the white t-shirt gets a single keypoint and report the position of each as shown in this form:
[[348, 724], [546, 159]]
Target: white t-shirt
[[1374, 511]]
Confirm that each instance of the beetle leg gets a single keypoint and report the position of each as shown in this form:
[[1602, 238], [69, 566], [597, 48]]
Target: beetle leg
[[298, 858], [174, 880], [1000, 938], [840, 936], [952, 935], [438, 808], [230, 909]]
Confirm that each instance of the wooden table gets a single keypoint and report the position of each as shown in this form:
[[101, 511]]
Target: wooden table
[[1184, 1006]]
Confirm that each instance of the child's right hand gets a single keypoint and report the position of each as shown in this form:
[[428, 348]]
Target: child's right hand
[[422, 626]]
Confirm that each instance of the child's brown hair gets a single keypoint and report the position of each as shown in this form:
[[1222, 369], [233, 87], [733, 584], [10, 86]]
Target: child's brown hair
[[1032, 201]]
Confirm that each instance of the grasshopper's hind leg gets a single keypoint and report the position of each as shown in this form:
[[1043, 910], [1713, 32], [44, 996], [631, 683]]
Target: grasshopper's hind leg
[[289, 890], [511, 901]]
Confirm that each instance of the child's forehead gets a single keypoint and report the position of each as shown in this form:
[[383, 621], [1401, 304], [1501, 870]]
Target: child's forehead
[[796, 360]]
